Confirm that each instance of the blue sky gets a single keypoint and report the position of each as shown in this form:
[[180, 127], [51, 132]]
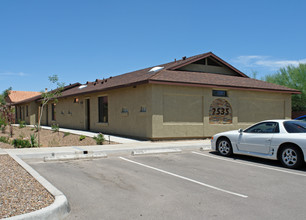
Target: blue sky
[[84, 40]]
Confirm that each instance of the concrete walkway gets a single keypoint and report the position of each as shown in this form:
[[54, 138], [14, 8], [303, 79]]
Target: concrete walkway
[[127, 148]]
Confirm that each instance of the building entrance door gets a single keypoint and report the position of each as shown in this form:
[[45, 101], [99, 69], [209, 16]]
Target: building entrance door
[[87, 114]]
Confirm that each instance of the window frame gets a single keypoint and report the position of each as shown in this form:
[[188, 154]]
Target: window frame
[[103, 109], [216, 93], [275, 131]]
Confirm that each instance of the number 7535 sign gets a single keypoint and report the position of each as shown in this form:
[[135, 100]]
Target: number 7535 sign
[[220, 111]]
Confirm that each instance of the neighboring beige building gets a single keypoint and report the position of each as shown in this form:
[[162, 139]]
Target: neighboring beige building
[[195, 97]]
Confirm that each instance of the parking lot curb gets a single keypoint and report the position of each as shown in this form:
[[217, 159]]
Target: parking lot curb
[[59, 209], [76, 156], [156, 151]]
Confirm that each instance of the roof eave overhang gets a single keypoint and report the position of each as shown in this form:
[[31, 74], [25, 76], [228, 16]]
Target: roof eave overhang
[[105, 89], [222, 87]]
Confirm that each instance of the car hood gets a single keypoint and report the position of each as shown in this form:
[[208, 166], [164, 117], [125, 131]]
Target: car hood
[[228, 132]]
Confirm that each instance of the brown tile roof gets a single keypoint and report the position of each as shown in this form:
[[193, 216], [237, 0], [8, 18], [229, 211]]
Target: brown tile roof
[[217, 80], [38, 97], [17, 96], [170, 75]]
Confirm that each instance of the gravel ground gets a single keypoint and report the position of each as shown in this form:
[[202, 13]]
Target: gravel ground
[[48, 138], [20, 193]]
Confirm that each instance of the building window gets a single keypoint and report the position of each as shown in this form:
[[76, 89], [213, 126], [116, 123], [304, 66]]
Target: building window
[[143, 109], [53, 111], [27, 111], [76, 100], [219, 93], [124, 110], [103, 109]]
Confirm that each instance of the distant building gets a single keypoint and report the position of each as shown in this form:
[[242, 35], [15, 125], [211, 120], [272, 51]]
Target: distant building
[[194, 97], [18, 96]]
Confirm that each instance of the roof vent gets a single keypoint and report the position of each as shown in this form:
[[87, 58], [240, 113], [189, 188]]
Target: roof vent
[[82, 86], [155, 69]]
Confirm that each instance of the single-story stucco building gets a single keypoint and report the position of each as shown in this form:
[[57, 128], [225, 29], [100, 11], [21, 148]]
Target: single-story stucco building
[[194, 97]]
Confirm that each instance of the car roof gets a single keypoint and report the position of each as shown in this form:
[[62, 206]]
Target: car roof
[[277, 120]]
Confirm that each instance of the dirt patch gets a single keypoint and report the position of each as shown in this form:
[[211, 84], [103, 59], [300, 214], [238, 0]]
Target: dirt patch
[[49, 138]]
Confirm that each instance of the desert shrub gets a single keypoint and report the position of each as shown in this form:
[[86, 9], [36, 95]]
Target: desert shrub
[[55, 127], [4, 139], [21, 143], [33, 140], [3, 124], [82, 137], [99, 139], [22, 124]]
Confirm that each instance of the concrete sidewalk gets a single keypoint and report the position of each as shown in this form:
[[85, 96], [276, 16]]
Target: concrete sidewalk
[[127, 148]]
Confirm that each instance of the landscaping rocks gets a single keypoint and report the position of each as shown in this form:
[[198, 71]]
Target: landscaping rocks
[[20, 193]]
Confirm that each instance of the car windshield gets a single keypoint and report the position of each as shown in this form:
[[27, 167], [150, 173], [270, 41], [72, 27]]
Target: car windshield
[[295, 126]]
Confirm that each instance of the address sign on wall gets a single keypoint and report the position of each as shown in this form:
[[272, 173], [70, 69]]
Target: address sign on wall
[[220, 112]]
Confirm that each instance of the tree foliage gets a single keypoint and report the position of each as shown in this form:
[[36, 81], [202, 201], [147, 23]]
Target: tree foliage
[[46, 97], [6, 112], [293, 77]]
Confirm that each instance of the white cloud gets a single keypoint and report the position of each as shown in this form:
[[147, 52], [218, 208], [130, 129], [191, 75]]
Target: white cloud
[[255, 61], [13, 74]]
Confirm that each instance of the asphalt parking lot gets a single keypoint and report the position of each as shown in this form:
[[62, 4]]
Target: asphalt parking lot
[[188, 185]]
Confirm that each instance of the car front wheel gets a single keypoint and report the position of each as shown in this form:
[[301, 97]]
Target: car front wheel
[[224, 147], [291, 157]]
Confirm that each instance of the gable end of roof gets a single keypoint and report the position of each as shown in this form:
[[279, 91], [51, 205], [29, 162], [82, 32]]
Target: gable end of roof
[[205, 55]]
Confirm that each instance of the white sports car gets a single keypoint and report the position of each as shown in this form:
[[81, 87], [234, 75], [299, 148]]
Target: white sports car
[[283, 140]]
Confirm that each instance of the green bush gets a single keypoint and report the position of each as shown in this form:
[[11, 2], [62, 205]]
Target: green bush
[[22, 124], [20, 143], [33, 141], [3, 124], [82, 137], [99, 139], [55, 127], [4, 139]]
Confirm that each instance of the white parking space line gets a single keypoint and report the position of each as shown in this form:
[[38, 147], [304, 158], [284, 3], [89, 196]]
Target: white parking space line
[[250, 164], [184, 178]]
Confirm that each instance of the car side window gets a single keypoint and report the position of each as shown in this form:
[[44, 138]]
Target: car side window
[[264, 127]]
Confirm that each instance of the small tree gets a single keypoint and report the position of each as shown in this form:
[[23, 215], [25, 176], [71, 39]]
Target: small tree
[[6, 111], [46, 97]]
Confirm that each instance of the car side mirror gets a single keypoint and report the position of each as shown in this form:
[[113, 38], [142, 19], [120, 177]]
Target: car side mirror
[[240, 130]]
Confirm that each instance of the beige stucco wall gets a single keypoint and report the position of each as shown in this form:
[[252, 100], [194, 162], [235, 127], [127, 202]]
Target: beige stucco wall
[[31, 118], [134, 123], [171, 111], [177, 119]]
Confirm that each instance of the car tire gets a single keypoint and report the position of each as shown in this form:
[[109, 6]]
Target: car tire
[[291, 157], [224, 147]]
